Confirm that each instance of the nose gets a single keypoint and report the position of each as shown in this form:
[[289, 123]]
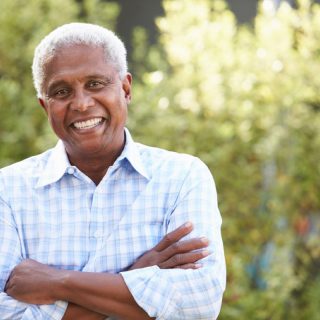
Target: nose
[[81, 101]]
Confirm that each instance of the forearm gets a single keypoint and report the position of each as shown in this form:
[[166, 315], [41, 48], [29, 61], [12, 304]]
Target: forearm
[[77, 312], [102, 293], [39, 284]]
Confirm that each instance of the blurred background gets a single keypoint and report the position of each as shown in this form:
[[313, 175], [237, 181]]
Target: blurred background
[[233, 82]]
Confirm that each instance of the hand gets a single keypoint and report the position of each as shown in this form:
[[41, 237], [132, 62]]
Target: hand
[[30, 282], [33, 282], [171, 253]]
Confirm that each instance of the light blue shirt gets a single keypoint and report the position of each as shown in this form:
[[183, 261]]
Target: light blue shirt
[[53, 213]]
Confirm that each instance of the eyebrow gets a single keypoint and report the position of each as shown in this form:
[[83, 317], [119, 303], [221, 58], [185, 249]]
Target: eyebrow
[[100, 76], [54, 84]]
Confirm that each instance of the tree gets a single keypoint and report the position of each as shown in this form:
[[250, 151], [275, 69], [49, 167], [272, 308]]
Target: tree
[[23, 126], [245, 100]]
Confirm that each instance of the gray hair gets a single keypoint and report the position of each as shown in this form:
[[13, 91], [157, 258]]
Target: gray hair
[[78, 33]]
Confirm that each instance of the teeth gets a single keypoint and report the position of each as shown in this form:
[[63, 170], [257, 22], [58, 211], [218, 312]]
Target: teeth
[[87, 124]]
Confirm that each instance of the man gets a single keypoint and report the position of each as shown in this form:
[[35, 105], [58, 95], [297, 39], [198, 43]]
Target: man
[[91, 228]]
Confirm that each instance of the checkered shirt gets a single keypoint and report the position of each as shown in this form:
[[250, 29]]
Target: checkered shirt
[[51, 212]]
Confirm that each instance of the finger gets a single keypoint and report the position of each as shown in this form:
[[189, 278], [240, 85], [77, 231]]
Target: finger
[[184, 258], [174, 236], [9, 281], [184, 247], [7, 286], [193, 266]]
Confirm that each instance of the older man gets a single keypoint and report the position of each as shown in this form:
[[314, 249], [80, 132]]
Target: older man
[[81, 224]]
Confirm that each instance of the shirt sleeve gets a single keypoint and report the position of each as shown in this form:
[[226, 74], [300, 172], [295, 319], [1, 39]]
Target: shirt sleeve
[[187, 294], [10, 256]]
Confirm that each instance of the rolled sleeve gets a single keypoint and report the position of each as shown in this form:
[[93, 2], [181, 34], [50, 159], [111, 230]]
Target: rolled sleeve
[[10, 256], [11, 309], [175, 294]]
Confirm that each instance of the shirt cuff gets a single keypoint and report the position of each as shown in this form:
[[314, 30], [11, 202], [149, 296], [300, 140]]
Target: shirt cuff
[[153, 293], [46, 312]]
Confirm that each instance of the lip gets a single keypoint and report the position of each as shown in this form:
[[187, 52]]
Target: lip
[[85, 119], [89, 129]]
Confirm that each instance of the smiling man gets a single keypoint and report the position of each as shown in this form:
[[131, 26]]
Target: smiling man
[[86, 103], [101, 226]]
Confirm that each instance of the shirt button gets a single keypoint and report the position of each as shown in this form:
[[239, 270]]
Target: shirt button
[[70, 170], [98, 234]]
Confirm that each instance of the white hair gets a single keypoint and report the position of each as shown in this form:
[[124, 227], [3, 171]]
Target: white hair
[[78, 33]]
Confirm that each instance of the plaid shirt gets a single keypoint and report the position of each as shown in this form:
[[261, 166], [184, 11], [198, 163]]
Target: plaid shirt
[[53, 213]]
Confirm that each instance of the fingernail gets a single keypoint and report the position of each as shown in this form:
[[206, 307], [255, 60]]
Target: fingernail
[[204, 240], [198, 265], [188, 224], [205, 253]]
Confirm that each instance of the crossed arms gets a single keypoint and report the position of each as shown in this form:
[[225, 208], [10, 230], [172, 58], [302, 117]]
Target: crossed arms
[[152, 287], [96, 295]]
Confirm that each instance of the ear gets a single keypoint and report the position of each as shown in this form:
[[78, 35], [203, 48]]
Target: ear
[[126, 86], [43, 104]]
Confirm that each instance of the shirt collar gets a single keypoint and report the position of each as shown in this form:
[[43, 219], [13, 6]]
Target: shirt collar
[[56, 166], [58, 162], [132, 154]]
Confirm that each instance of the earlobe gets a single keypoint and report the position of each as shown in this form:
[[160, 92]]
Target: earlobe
[[42, 104], [126, 85]]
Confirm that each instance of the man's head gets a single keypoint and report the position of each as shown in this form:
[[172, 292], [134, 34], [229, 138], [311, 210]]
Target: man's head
[[84, 87], [77, 33]]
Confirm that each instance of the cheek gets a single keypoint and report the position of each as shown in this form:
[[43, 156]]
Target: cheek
[[122, 113], [116, 106], [56, 117]]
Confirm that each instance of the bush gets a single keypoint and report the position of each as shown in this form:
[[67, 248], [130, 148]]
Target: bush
[[23, 125], [246, 101]]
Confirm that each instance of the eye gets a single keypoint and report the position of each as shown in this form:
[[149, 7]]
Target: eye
[[61, 93], [94, 84]]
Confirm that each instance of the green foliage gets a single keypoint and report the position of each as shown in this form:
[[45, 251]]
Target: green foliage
[[246, 101], [23, 126], [243, 99]]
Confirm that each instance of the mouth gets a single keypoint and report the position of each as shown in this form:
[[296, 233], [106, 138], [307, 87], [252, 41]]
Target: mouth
[[87, 124]]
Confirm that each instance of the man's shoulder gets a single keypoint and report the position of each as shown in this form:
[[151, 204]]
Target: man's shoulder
[[160, 155], [168, 161], [29, 167]]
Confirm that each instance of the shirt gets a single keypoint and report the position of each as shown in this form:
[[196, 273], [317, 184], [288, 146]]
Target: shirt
[[51, 212]]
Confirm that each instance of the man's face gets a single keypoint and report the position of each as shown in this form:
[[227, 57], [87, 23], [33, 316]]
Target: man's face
[[86, 101]]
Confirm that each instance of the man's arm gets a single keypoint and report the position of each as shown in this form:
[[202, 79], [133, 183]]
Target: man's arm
[[10, 255], [168, 253], [75, 311], [33, 282], [187, 294]]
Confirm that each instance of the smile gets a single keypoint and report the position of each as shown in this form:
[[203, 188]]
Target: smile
[[88, 124]]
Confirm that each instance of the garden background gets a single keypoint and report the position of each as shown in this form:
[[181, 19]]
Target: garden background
[[244, 98]]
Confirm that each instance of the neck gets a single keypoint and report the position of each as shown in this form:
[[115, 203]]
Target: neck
[[95, 166], [94, 169]]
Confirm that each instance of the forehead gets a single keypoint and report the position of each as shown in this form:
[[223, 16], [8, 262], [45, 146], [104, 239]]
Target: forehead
[[74, 61]]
